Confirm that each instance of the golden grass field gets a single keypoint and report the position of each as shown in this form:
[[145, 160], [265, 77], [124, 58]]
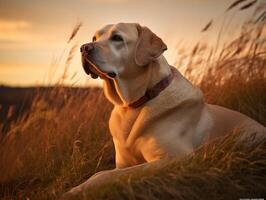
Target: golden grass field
[[65, 138]]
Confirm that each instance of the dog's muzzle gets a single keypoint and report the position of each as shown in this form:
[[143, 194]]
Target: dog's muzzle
[[89, 65]]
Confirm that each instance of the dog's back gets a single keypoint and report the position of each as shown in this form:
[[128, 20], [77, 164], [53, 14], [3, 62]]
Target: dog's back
[[226, 121]]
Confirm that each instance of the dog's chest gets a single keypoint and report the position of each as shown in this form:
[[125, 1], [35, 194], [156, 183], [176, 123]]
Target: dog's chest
[[121, 123]]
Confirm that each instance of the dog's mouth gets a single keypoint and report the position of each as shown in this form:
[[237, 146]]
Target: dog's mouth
[[93, 70]]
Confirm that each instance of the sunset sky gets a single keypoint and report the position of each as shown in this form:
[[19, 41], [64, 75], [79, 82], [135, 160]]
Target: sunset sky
[[33, 32]]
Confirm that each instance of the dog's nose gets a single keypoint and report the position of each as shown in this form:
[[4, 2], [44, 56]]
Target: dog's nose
[[87, 48]]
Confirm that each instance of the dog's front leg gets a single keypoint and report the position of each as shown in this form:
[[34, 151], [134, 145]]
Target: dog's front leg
[[94, 181], [105, 176]]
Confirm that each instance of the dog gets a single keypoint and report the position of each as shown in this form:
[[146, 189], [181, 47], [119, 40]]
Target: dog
[[157, 112]]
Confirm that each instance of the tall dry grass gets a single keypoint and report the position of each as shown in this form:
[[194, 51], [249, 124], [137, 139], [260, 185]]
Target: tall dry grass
[[65, 138], [222, 170], [232, 73]]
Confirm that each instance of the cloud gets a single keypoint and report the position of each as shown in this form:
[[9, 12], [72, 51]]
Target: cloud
[[108, 1], [14, 30], [12, 25]]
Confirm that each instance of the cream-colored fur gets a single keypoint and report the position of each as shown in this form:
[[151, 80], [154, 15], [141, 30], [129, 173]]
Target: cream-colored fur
[[172, 124]]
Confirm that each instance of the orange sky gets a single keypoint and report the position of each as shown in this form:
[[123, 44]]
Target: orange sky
[[33, 32]]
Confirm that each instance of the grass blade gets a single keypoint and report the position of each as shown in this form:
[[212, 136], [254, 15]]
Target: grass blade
[[236, 3], [248, 5], [261, 17], [207, 27], [74, 32]]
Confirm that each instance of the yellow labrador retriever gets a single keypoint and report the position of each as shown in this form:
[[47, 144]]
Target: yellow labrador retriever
[[157, 112]]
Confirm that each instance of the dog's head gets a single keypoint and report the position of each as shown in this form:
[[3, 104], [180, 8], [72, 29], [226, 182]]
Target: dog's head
[[120, 50]]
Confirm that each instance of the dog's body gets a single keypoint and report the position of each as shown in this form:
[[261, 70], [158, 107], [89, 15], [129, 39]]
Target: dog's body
[[172, 124]]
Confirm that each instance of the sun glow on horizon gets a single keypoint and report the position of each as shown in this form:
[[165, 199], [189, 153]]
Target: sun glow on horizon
[[34, 33]]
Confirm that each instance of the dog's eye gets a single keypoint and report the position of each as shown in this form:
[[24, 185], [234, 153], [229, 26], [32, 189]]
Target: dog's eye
[[94, 39], [116, 38]]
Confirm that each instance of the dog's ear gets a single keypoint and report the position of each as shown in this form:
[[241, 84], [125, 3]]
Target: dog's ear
[[148, 47]]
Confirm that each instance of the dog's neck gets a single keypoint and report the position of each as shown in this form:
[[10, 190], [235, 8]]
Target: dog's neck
[[122, 92], [159, 70]]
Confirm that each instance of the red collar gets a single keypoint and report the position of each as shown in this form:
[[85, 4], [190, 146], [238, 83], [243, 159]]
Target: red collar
[[154, 91]]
